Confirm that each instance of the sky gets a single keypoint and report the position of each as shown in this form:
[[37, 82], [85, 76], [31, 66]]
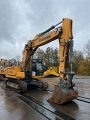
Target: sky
[[22, 20]]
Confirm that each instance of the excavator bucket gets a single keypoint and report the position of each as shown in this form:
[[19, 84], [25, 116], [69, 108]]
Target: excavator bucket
[[63, 94]]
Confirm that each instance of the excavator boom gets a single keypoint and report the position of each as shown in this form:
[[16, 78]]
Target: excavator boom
[[64, 91]]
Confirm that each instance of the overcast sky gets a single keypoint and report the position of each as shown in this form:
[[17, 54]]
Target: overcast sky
[[21, 20]]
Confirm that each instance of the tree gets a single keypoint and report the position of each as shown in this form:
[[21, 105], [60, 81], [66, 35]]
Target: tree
[[18, 59], [39, 54], [84, 68], [49, 56], [78, 57], [87, 49], [55, 57]]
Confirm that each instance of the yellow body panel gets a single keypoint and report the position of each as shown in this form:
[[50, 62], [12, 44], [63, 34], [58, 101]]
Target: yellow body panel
[[12, 72], [16, 72], [20, 75], [3, 71]]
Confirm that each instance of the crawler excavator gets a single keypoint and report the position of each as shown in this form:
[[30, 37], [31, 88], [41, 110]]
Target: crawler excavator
[[20, 78]]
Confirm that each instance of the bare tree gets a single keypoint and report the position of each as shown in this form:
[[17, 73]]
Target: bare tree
[[87, 49], [18, 59]]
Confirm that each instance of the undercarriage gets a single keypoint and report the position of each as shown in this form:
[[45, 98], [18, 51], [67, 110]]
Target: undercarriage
[[20, 86]]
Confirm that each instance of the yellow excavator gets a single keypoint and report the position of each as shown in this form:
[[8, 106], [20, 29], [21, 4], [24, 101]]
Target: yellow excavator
[[21, 77]]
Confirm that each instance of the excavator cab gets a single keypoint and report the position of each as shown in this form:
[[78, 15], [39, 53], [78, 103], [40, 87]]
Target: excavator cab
[[37, 67]]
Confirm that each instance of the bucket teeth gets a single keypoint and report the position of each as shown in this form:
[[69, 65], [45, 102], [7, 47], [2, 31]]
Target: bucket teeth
[[62, 96]]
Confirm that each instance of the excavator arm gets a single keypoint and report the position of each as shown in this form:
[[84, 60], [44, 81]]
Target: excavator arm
[[62, 33], [64, 91], [39, 40]]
